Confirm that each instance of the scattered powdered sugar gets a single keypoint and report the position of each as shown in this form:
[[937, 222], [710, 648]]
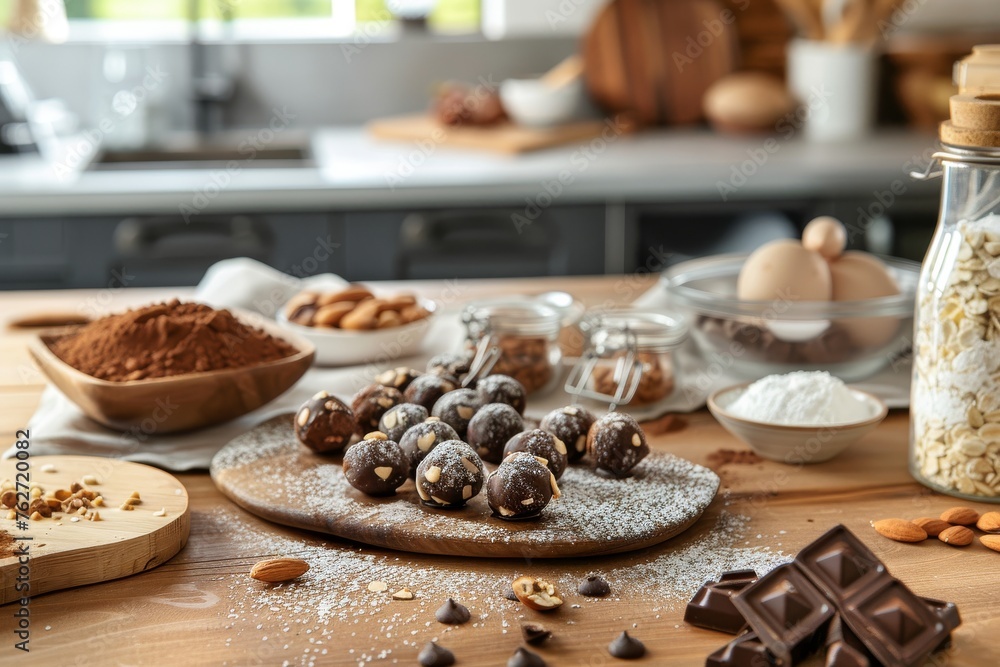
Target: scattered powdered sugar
[[664, 494], [802, 398]]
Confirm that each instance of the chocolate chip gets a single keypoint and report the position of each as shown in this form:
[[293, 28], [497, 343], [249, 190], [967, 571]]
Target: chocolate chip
[[594, 587], [452, 613], [524, 658], [435, 656], [509, 595], [535, 633], [626, 647]]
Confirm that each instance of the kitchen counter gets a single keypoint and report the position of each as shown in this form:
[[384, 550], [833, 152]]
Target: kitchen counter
[[352, 171], [203, 606]]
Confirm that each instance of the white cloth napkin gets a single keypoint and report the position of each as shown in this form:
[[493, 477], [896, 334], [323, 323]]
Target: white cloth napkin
[[59, 427]]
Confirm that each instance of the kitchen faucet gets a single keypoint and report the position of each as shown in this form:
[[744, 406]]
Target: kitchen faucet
[[212, 86]]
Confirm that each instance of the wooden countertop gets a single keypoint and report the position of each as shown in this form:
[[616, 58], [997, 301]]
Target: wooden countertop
[[202, 605]]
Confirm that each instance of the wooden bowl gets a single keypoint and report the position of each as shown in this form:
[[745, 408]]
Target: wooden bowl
[[796, 445], [181, 402]]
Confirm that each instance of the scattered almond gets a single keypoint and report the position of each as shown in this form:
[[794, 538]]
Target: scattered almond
[[957, 536], [991, 542], [960, 516], [378, 586], [402, 594], [536, 593], [90, 479], [48, 467], [160, 512], [277, 570], [933, 527], [989, 522], [900, 530]]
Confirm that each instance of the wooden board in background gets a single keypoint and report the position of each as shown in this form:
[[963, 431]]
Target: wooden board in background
[[267, 472], [506, 138], [86, 552]]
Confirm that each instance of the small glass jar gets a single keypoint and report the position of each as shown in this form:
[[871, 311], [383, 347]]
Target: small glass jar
[[629, 358], [955, 393], [515, 338]]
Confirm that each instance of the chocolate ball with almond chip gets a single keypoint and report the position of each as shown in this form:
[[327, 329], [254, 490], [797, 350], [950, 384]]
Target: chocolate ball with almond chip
[[376, 466], [456, 408], [570, 424], [325, 424], [398, 378], [503, 389], [427, 389], [616, 444], [450, 475], [490, 429], [399, 418], [542, 445], [419, 440], [371, 403], [521, 487]]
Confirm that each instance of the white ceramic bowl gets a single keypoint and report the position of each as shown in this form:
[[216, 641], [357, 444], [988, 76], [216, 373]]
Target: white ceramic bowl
[[534, 103], [340, 347], [795, 445]]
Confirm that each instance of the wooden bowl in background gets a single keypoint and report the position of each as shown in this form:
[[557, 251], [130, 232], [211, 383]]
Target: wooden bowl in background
[[181, 402]]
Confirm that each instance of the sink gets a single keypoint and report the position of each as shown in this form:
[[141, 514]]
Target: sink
[[205, 157]]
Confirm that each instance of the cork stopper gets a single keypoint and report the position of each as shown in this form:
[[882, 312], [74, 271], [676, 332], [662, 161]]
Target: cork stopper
[[975, 111]]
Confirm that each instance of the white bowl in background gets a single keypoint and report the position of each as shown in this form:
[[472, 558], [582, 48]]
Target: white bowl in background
[[795, 445], [534, 103], [343, 347]]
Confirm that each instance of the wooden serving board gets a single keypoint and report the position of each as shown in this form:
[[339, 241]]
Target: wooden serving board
[[267, 472], [505, 138], [64, 553]]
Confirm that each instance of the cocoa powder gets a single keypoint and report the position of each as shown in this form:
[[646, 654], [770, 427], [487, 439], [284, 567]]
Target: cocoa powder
[[6, 545], [164, 340]]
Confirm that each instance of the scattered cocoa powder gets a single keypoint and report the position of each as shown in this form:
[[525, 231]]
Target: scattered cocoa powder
[[164, 340], [722, 457], [6, 544], [669, 423]]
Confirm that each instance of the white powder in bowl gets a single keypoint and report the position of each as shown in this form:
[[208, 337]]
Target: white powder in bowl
[[802, 398]]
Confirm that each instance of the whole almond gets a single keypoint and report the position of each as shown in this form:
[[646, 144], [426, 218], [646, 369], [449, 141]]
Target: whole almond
[[932, 527], [900, 530], [991, 542], [989, 522], [277, 570], [957, 536], [960, 516]]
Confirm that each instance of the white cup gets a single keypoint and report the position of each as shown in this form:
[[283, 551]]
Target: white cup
[[837, 82]]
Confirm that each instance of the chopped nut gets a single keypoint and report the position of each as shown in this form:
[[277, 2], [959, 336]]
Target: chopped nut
[[432, 474], [378, 586], [62, 494], [96, 516], [8, 498], [74, 519], [48, 467], [11, 515], [126, 507], [536, 593], [35, 516], [98, 501], [402, 594], [135, 494], [90, 479], [74, 487], [160, 512], [35, 492], [81, 511], [53, 504]]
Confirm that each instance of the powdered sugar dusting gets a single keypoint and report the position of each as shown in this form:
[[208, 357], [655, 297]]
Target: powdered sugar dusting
[[664, 494]]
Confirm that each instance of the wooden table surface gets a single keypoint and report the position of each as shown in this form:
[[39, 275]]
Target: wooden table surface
[[202, 608]]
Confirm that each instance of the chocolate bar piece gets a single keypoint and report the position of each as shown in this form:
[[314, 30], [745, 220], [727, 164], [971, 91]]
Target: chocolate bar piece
[[895, 625], [841, 654], [712, 606], [787, 612], [841, 565], [744, 651]]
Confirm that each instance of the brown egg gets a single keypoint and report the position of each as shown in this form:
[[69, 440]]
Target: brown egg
[[859, 275], [785, 271], [825, 235], [746, 102]]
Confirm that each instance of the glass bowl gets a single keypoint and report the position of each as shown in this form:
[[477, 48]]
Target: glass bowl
[[849, 339]]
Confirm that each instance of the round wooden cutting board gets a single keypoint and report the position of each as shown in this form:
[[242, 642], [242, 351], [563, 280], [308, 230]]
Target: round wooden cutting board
[[64, 553], [267, 472]]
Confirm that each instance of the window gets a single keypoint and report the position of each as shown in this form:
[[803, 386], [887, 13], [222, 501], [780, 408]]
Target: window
[[448, 15]]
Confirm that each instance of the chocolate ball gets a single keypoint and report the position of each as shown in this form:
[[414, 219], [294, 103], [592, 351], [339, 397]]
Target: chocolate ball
[[371, 403], [456, 408], [570, 424], [427, 389], [398, 378], [450, 475], [542, 445], [450, 364], [490, 429], [399, 418], [616, 443], [503, 389], [376, 466], [420, 439], [324, 424], [521, 487]]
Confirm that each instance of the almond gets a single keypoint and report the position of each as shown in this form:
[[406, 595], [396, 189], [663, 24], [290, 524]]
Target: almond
[[957, 536], [989, 522], [277, 570], [536, 593], [933, 527], [900, 530], [991, 542], [960, 516]]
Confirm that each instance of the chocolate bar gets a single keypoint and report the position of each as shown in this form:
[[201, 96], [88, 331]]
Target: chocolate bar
[[712, 606], [744, 651]]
